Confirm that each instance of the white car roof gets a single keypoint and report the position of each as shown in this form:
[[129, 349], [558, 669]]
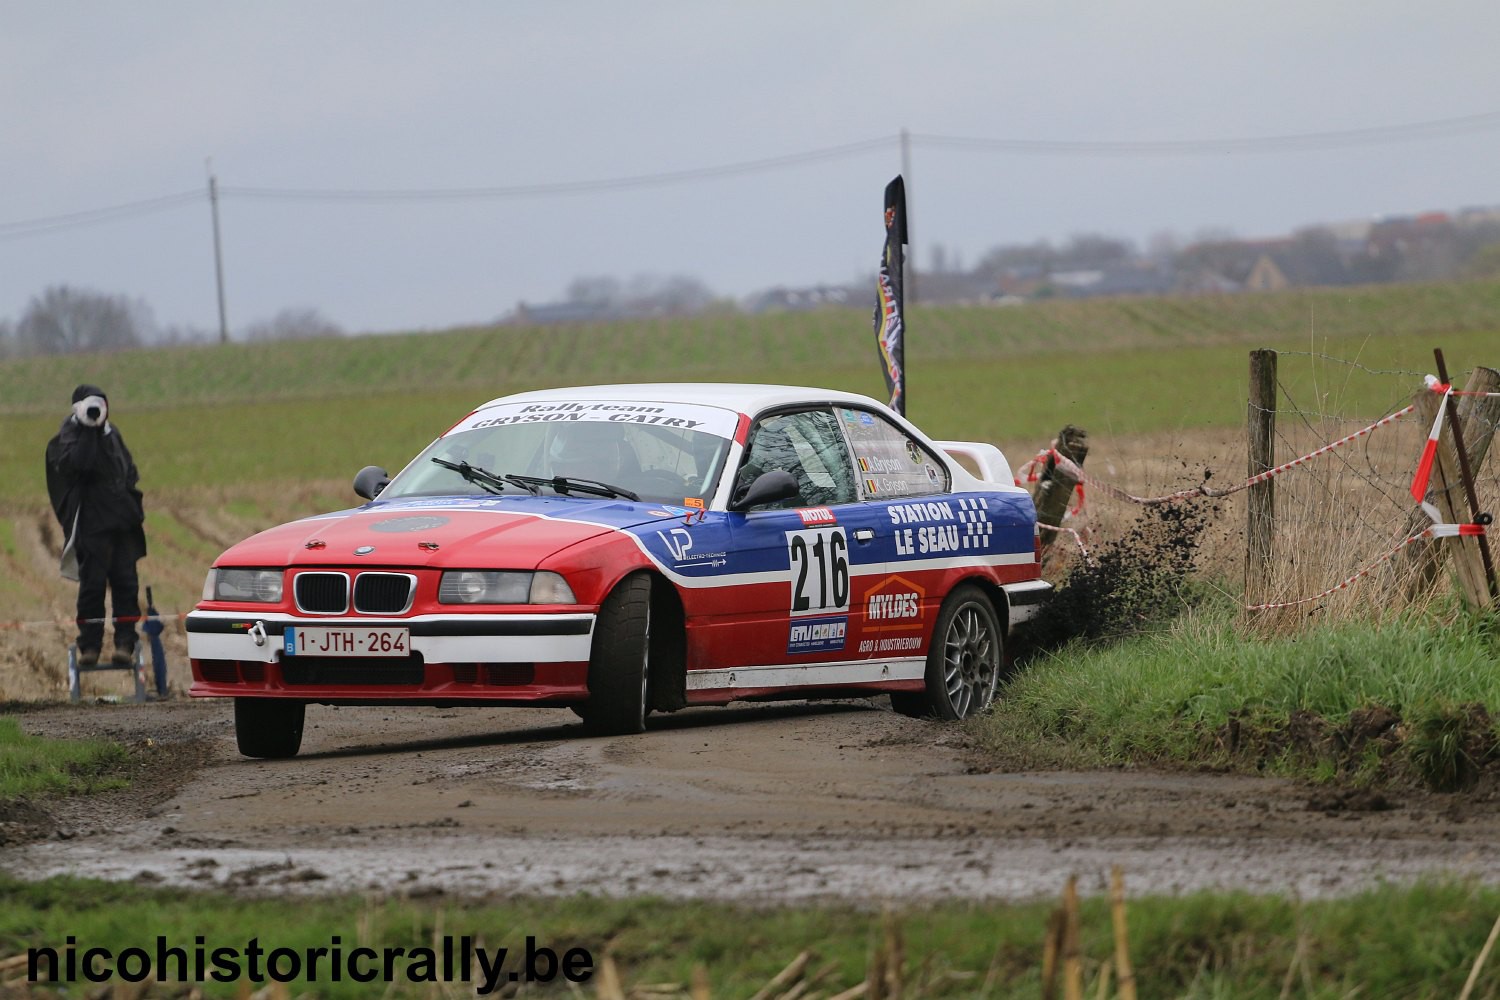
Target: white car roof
[[741, 397]]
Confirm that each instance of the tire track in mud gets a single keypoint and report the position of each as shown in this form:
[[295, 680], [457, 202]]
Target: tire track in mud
[[792, 802]]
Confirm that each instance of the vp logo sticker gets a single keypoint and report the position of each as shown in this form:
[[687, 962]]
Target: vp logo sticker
[[679, 542]]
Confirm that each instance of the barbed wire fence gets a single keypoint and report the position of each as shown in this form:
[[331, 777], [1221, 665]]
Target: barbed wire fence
[[1347, 539]]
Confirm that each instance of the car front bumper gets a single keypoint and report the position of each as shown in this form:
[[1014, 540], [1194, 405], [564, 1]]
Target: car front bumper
[[520, 658]]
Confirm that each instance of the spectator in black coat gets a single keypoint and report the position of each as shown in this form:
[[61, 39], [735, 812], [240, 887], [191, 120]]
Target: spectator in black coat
[[91, 481]]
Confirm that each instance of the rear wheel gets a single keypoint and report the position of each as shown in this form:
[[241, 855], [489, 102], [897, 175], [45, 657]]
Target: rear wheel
[[963, 662], [620, 661], [269, 727]]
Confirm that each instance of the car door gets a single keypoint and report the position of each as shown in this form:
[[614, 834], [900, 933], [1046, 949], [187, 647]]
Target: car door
[[798, 611], [920, 531]]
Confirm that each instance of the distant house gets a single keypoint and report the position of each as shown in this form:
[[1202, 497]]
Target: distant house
[[1265, 276], [1204, 281], [802, 299], [1128, 278], [560, 313]]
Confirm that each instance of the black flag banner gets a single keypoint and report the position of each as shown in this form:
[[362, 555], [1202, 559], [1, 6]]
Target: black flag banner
[[890, 322]]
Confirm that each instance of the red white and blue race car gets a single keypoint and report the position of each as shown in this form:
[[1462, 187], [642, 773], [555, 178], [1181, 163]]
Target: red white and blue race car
[[635, 548]]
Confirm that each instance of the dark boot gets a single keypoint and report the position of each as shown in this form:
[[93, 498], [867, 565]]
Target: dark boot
[[124, 655], [88, 657]]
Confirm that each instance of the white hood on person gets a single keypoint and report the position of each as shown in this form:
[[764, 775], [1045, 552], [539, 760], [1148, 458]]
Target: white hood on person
[[101, 408]]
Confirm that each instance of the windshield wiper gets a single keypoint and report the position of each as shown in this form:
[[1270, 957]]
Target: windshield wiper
[[567, 484], [487, 480]]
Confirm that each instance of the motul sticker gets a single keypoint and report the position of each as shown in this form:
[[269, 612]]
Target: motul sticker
[[817, 515]]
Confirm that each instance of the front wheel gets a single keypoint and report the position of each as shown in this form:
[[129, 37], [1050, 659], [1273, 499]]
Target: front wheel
[[269, 727], [963, 662], [620, 661]]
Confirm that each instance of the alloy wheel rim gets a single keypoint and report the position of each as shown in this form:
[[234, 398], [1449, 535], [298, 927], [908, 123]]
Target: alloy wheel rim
[[970, 672]]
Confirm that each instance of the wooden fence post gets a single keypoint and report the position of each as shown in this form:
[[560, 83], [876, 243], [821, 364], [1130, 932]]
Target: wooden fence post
[[1260, 434], [1480, 416]]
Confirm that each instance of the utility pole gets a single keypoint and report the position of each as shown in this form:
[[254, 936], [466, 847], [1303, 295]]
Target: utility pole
[[910, 278], [213, 202]]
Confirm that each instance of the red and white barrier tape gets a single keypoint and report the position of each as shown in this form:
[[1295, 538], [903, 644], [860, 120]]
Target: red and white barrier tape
[[1077, 538], [123, 619], [1063, 462], [1429, 449]]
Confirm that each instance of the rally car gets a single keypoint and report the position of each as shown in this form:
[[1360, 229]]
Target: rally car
[[634, 548]]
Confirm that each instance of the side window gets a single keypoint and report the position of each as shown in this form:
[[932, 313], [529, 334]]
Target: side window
[[891, 462], [809, 446]]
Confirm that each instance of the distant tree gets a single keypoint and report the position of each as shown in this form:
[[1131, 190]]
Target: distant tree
[[293, 324], [673, 295], [1475, 239], [1483, 264], [599, 291], [1034, 256], [65, 320], [1163, 246], [7, 339], [1227, 258], [1215, 234], [939, 259], [1314, 258], [1089, 251]]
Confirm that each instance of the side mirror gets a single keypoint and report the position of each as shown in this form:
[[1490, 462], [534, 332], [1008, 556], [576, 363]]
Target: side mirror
[[370, 481], [768, 487]]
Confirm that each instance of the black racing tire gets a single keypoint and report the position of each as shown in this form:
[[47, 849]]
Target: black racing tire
[[620, 661], [269, 728], [963, 660]]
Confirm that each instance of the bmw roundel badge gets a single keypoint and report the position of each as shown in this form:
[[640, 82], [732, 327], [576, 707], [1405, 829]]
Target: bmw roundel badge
[[364, 550]]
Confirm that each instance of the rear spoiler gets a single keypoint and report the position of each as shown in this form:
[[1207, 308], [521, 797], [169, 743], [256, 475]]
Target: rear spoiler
[[981, 459]]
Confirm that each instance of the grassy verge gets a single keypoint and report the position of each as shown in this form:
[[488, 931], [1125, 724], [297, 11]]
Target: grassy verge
[[33, 765], [1388, 942], [1406, 699]]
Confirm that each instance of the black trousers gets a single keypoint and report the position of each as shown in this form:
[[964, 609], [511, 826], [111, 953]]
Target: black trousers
[[107, 560]]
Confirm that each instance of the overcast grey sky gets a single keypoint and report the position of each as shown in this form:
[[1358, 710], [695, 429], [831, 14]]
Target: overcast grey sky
[[111, 104]]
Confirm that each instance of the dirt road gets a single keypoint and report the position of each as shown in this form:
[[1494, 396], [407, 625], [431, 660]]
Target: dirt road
[[822, 800]]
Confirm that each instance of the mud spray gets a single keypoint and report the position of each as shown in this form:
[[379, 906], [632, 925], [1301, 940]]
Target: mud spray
[[1134, 584]]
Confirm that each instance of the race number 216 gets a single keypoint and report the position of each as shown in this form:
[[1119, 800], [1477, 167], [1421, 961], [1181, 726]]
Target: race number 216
[[819, 569]]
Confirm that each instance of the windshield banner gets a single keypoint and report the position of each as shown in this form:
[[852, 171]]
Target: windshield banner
[[682, 416]]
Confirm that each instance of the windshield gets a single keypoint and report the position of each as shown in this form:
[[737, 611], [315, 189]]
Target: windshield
[[663, 452]]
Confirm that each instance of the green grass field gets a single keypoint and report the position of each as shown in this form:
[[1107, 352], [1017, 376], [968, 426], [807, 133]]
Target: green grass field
[[281, 412], [1418, 942]]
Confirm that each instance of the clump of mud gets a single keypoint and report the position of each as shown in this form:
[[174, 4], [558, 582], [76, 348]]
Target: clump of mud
[[1132, 585], [23, 821]]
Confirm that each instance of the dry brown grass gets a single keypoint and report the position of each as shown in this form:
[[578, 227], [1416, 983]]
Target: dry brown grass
[[1335, 515], [186, 530]]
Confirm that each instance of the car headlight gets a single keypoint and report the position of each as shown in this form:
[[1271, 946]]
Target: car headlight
[[472, 586], [550, 588], [262, 586]]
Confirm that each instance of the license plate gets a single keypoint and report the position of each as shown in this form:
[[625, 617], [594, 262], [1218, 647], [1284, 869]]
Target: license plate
[[347, 641]]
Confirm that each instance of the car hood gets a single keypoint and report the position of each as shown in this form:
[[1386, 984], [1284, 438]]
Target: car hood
[[508, 532]]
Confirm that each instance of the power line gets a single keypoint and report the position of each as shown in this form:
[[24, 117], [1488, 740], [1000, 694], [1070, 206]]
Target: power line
[[95, 216], [566, 187], [1297, 142]]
